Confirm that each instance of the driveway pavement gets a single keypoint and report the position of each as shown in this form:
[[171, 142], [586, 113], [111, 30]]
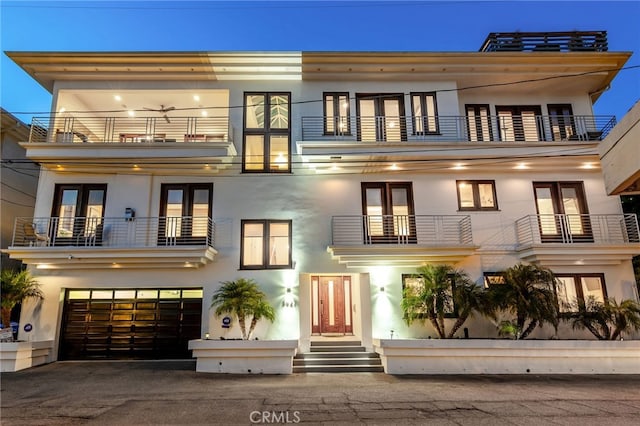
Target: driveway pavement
[[171, 392]]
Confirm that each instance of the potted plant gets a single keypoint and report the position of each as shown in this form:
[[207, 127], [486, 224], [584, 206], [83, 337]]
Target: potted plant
[[244, 300], [16, 287]]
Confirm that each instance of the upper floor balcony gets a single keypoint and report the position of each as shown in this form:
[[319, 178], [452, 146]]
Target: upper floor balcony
[[152, 144], [402, 240], [399, 138], [113, 242], [578, 239], [571, 41]]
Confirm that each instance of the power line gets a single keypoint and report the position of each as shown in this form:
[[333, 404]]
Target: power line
[[17, 204], [18, 190], [456, 89]]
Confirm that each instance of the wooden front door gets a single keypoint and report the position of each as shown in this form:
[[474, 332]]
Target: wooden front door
[[331, 304]]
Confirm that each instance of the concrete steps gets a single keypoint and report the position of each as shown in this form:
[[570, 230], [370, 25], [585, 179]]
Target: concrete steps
[[337, 356]]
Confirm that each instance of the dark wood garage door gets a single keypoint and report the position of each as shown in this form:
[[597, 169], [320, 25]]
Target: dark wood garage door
[[130, 323]]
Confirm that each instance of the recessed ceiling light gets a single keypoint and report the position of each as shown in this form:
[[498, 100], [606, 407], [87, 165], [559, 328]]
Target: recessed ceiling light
[[196, 98], [204, 113], [394, 166], [588, 166], [131, 113], [521, 166], [62, 109], [459, 166], [117, 98]]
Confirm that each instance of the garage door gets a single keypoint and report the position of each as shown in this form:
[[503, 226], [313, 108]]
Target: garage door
[[130, 323]]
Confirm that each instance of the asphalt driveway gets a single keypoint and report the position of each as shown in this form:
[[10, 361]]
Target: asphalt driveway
[[171, 392]]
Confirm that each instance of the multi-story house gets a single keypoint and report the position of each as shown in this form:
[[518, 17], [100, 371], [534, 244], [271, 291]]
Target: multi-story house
[[328, 177]]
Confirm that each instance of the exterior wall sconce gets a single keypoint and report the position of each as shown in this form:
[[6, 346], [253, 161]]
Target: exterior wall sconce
[[289, 301], [381, 289]]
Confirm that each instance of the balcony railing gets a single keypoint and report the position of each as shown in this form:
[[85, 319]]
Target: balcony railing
[[401, 230], [578, 228], [64, 128], [574, 41], [137, 232], [503, 128]]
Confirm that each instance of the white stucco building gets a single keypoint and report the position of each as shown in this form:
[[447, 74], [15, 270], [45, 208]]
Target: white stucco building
[[327, 177]]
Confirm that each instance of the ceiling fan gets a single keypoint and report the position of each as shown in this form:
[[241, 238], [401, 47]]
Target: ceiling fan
[[162, 110]]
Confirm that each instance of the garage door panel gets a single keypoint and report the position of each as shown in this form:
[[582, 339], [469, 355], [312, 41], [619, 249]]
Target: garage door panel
[[152, 326]]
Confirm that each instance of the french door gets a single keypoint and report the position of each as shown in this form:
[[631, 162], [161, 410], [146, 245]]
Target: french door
[[562, 122], [78, 211], [381, 117], [185, 213], [563, 216], [388, 213], [520, 123]]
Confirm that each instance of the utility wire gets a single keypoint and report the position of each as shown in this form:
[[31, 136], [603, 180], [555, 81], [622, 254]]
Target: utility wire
[[17, 204], [18, 190]]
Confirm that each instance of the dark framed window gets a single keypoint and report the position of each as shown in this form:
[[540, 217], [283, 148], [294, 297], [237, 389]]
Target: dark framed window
[[479, 123], [388, 213], [77, 213], [413, 283], [425, 113], [493, 278], [520, 123], [265, 244], [562, 122], [563, 215], [185, 213], [476, 195], [572, 289], [266, 144], [381, 117], [336, 113]]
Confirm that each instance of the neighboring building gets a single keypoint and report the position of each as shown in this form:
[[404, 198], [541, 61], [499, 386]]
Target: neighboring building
[[19, 180], [328, 177], [620, 155]]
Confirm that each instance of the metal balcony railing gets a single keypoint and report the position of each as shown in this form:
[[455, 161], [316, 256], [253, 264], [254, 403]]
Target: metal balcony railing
[[401, 230], [64, 128], [472, 128], [578, 228], [573, 41], [137, 232]]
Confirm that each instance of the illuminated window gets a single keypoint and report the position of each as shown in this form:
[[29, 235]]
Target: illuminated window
[[413, 285], [476, 195], [185, 213], [336, 114], [493, 278], [425, 115], [78, 211], [266, 244], [574, 289], [266, 147]]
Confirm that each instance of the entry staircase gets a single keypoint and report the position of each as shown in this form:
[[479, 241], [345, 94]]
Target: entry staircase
[[337, 356]]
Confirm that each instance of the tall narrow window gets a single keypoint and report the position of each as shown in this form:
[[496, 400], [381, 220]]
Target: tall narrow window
[[388, 213], [266, 145], [77, 214], [520, 123], [185, 214], [336, 114], [425, 113], [381, 117], [562, 122], [479, 123], [563, 216], [575, 289], [266, 244]]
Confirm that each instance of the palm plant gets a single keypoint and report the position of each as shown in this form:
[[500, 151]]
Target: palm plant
[[16, 287], [243, 298], [434, 298], [528, 293], [606, 321]]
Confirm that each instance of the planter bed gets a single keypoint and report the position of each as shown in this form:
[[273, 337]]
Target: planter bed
[[486, 356], [244, 356], [15, 356]]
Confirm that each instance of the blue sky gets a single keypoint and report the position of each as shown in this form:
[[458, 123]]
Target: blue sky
[[302, 25]]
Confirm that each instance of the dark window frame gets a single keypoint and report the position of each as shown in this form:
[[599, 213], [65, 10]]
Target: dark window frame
[[577, 277], [555, 188], [475, 185], [79, 225], [265, 244], [479, 134], [424, 118], [380, 114], [452, 281], [492, 278], [558, 119], [266, 133], [186, 225], [516, 116], [387, 210], [336, 113]]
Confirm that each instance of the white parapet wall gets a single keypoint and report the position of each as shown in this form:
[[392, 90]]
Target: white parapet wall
[[244, 356], [485, 356], [16, 356]]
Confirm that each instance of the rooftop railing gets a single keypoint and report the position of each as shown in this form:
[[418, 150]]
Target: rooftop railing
[[573, 41], [63, 128], [454, 230], [473, 128], [578, 228], [136, 232]]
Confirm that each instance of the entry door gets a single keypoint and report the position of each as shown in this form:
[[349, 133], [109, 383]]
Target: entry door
[[381, 118], [388, 213], [185, 211], [563, 214], [331, 304]]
